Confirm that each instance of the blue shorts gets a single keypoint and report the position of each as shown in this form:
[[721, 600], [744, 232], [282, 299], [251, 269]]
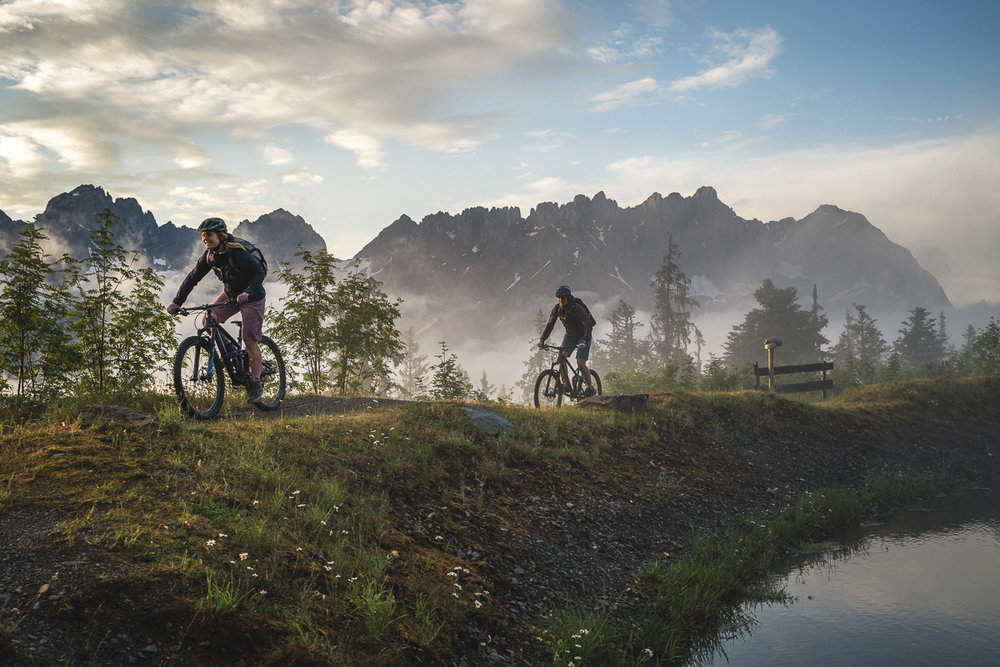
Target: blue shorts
[[582, 345]]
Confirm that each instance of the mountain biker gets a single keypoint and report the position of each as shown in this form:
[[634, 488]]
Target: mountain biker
[[576, 321], [242, 278]]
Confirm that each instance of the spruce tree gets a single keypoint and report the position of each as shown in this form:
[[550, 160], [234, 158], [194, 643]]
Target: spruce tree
[[412, 371], [450, 380], [624, 349], [536, 363], [779, 316], [671, 327], [860, 350], [919, 345]]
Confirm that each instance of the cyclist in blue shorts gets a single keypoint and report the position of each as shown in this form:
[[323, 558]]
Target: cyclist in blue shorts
[[578, 324]]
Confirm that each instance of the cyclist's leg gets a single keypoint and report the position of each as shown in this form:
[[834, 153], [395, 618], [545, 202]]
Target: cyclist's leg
[[223, 311], [582, 354], [568, 342], [253, 325]]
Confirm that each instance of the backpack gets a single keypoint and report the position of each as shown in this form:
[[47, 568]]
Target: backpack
[[251, 249], [593, 322]]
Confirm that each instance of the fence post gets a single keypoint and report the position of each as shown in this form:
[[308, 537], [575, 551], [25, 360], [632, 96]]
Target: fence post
[[769, 345]]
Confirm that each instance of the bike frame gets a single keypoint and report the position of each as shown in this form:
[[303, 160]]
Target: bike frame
[[221, 339], [562, 362]]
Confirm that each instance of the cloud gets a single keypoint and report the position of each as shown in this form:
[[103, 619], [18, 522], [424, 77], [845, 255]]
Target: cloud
[[366, 148], [745, 55], [301, 176], [378, 69], [276, 155], [626, 94]]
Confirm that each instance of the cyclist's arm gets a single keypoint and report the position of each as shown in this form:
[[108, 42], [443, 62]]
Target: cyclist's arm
[[193, 277], [552, 322]]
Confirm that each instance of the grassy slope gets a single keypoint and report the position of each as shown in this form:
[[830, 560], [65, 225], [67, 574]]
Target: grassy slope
[[338, 538]]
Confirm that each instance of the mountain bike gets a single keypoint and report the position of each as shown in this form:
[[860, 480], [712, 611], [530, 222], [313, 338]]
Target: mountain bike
[[203, 361], [550, 388]]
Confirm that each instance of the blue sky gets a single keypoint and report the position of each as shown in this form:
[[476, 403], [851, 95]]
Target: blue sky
[[353, 113]]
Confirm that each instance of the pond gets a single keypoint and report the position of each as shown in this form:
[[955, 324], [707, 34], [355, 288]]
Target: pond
[[923, 588]]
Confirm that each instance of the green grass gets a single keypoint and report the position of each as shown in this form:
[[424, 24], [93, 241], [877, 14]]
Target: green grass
[[338, 537]]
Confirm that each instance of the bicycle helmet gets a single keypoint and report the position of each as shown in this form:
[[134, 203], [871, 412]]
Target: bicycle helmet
[[212, 225], [563, 290]]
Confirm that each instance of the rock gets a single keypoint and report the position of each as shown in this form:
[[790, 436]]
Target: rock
[[621, 402], [488, 421], [117, 414]]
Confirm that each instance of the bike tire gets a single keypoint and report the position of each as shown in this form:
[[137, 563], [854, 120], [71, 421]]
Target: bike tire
[[272, 375], [595, 382], [200, 388], [548, 389]]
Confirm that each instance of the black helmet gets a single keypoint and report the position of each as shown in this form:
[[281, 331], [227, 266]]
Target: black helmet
[[562, 290], [212, 225]]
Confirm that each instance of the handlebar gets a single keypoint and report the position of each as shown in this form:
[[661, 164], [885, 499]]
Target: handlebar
[[187, 310], [546, 346]]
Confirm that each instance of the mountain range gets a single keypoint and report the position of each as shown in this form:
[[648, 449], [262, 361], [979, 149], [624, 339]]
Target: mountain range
[[484, 273]]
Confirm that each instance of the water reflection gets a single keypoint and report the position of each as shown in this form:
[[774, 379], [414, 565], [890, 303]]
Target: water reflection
[[921, 589]]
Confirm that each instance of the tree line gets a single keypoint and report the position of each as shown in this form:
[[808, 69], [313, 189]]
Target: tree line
[[94, 327]]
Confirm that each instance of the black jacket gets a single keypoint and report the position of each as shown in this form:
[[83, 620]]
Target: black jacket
[[574, 318], [236, 268]]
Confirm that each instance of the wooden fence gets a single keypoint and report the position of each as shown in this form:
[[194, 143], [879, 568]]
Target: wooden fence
[[816, 385]]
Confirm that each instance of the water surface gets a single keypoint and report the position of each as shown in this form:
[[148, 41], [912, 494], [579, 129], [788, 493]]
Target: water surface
[[921, 589]]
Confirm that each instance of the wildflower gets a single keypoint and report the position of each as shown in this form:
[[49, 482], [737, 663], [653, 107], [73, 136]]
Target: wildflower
[[223, 535], [243, 556], [210, 543], [263, 592], [301, 505]]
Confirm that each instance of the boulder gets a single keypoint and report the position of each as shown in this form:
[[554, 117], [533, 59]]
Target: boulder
[[488, 421]]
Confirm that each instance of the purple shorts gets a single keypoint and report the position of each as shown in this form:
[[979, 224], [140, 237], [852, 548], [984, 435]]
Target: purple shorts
[[252, 312]]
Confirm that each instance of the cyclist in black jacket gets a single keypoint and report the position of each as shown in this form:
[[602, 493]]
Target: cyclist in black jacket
[[579, 332], [242, 278]]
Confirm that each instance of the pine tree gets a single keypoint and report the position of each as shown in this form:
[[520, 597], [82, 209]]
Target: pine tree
[[671, 326], [860, 350], [413, 370], [625, 350], [779, 316], [450, 380], [484, 390], [919, 344], [536, 363], [986, 349]]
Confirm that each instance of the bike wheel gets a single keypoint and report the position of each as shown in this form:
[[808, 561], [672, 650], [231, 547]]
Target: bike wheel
[[272, 375], [595, 382], [199, 379], [548, 389]]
